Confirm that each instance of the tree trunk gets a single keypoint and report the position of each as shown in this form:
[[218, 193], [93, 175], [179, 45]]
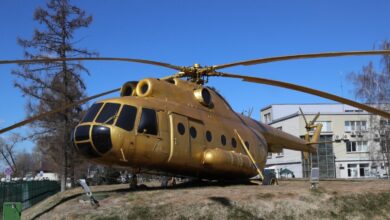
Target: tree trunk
[[64, 168]]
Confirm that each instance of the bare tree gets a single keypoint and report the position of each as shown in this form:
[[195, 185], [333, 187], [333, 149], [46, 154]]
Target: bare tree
[[26, 162], [7, 150], [373, 87], [55, 84]]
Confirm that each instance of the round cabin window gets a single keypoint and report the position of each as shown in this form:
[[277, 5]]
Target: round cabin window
[[208, 136], [193, 132], [181, 129], [247, 144], [223, 140], [234, 142]]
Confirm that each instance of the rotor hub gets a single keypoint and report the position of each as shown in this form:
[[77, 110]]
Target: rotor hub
[[197, 73]]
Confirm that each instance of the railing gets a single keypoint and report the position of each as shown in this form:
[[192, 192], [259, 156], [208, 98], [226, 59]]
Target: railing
[[27, 192]]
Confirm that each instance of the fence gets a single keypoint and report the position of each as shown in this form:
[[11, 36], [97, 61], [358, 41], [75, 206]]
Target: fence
[[27, 192]]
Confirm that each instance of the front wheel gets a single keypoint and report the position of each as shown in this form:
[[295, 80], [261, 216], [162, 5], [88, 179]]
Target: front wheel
[[164, 182]]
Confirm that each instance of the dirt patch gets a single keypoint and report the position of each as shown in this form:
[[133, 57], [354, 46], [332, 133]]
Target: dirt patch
[[367, 199]]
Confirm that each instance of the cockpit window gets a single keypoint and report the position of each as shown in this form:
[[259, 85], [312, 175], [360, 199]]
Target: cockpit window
[[92, 112], [108, 113], [148, 122], [127, 117]]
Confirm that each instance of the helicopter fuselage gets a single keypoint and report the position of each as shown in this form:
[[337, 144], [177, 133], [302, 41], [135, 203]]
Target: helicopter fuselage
[[177, 127]]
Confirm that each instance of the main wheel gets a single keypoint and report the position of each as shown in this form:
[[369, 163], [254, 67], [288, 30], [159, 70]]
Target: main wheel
[[164, 182], [133, 181]]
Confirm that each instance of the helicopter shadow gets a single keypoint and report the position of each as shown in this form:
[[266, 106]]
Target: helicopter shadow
[[188, 185], [234, 210]]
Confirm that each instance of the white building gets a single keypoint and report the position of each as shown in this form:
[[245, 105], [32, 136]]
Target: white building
[[349, 151]]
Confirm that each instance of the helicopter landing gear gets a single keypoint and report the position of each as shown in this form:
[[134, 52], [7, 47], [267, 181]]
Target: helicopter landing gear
[[173, 181], [88, 192], [168, 181], [133, 181]]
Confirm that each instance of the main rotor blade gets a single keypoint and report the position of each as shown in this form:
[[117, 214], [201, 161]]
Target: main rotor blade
[[302, 56], [309, 91], [29, 120], [171, 77], [46, 60]]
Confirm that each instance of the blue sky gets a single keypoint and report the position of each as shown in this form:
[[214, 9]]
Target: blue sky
[[210, 32]]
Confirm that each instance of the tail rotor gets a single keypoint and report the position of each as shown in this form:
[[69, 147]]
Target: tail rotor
[[309, 127]]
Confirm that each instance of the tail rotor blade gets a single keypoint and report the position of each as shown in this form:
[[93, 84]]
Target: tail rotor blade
[[315, 119], [303, 115]]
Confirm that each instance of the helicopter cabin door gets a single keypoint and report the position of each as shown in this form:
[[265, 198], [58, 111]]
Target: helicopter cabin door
[[196, 132], [180, 141]]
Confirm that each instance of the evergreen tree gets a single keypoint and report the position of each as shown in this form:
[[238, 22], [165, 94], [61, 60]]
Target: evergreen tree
[[54, 84]]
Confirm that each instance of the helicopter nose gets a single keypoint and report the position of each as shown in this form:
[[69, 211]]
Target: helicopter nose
[[101, 138], [99, 142]]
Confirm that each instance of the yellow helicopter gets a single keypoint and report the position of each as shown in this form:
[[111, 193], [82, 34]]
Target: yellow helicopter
[[184, 128]]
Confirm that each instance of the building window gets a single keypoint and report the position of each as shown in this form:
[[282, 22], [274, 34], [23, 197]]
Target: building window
[[325, 157], [384, 122], [352, 170], [385, 146], [358, 170], [267, 118], [357, 146], [326, 126], [353, 110], [355, 126], [364, 170]]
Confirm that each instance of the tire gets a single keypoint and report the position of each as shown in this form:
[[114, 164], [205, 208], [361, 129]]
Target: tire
[[164, 182]]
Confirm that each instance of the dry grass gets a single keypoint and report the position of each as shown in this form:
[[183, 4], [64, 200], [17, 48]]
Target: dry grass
[[289, 200]]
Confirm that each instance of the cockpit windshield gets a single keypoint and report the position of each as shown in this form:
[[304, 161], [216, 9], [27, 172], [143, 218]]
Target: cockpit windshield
[[91, 114], [108, 113], [126, 118]]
